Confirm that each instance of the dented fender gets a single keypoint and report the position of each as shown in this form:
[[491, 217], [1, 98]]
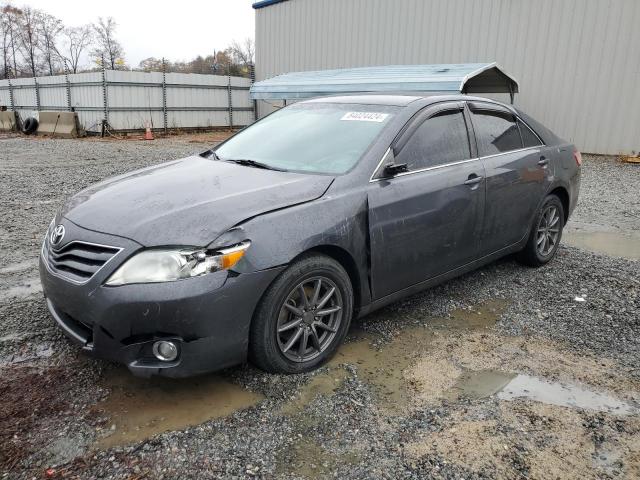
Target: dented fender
[[333, 221]]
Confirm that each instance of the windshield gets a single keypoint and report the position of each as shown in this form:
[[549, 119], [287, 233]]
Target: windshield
[[310, 137]]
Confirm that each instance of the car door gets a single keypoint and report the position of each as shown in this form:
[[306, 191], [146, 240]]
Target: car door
[[517, 174], [427, 220]]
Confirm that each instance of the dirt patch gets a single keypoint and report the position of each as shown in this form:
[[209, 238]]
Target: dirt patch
[[208, 137], [138, 408], [533, 440], [383, 366], [503, 436], [211, 138], [29, 395]]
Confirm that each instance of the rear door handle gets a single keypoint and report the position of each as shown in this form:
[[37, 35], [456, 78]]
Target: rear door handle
[[543, 162], [473, 179]]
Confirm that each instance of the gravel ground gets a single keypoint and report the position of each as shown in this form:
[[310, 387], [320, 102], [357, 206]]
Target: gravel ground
[[609, 197], [396, 402]]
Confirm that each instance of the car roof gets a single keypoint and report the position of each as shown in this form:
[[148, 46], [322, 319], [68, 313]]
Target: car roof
[[416, 102], [367, 99]]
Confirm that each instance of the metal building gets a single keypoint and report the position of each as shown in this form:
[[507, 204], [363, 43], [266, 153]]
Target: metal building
[[577, 62]]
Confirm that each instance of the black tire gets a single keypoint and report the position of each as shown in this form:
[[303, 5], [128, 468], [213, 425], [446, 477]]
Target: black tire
[[30, 126], [533, 254], [266, 343]]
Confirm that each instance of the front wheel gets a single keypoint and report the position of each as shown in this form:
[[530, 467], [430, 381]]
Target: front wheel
[[303, 316], [545, 235]]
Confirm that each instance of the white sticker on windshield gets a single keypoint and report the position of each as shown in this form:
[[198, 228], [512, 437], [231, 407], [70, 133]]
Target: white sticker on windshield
[[365, 116]]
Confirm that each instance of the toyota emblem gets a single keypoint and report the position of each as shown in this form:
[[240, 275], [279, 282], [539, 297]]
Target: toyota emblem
[[57, 234]]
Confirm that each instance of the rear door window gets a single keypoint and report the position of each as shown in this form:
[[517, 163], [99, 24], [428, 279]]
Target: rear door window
[[529, 139], [440, 139], [496, 132]]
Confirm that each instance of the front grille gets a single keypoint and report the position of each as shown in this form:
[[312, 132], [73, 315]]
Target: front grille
[[79, 261]]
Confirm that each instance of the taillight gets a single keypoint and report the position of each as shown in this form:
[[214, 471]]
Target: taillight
[[578, 156]]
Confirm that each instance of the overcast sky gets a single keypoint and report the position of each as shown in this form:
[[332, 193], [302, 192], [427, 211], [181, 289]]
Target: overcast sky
[[177, 30]]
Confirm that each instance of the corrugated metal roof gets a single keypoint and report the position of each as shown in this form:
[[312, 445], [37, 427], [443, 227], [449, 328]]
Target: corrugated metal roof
[[462, 77]]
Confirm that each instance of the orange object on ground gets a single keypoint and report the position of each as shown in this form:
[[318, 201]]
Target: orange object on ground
[[148, 135]]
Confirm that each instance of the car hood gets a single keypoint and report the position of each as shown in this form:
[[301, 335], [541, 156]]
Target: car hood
[[188, 202]]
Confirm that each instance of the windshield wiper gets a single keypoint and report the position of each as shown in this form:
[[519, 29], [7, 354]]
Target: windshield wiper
[[253, 163]]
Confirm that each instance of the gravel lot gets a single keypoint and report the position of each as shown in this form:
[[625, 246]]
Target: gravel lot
[[415, 393]]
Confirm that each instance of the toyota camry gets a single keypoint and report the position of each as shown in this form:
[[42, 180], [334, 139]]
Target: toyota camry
[[268, 245]]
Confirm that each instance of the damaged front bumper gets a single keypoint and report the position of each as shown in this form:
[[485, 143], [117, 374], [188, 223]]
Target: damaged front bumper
[[207, 318]]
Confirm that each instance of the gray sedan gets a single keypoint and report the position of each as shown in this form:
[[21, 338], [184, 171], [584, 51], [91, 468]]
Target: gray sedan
[[267, 246]]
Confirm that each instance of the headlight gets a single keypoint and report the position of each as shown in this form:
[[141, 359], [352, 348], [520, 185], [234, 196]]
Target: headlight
[[152, 266]]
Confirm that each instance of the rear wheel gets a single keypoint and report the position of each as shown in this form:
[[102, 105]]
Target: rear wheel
[[303, 316], [545, 235]]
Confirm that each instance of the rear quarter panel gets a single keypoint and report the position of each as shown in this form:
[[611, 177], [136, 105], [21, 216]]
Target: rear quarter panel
[[567, 173]]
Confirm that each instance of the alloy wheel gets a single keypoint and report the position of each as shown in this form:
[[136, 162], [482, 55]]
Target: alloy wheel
[[309, 319], [548, 232]]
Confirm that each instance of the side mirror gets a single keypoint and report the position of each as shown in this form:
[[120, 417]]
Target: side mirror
[[393, 169]]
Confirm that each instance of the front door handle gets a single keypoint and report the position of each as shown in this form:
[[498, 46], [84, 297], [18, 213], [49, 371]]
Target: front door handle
[[473, 179], [543, 162]]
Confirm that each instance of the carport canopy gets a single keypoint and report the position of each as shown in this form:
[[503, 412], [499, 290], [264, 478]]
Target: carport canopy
[[426, 79]]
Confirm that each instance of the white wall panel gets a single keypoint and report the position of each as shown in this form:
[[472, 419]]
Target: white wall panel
[[577, 61]]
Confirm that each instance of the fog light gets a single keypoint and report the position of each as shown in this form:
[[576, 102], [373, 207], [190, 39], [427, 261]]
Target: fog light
[[165, 351]]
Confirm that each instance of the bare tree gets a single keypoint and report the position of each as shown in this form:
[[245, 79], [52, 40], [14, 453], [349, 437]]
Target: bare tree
[[10, 36], [75, 40], [107, 46], [49, 29], [243, 53], [151, 64], [30, 40], [5, 44]]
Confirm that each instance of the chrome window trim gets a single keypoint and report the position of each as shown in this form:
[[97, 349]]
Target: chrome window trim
[[43, 253], [510, 151], [436, 167]]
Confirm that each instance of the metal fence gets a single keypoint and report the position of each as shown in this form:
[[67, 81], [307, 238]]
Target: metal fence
[[127, 101]]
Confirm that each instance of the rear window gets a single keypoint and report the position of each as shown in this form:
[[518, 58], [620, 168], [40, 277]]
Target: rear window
[[529, 139], [496, 132]]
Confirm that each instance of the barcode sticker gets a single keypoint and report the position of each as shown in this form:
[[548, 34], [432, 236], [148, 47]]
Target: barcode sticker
[[365, 116]]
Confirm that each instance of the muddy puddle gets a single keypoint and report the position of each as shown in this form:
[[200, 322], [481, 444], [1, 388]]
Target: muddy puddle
[[322, 384], [608, 243], [139, 408], [511, 386], [383, 368]]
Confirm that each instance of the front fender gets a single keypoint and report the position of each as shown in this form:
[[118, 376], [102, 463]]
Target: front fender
[[280, 236]]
